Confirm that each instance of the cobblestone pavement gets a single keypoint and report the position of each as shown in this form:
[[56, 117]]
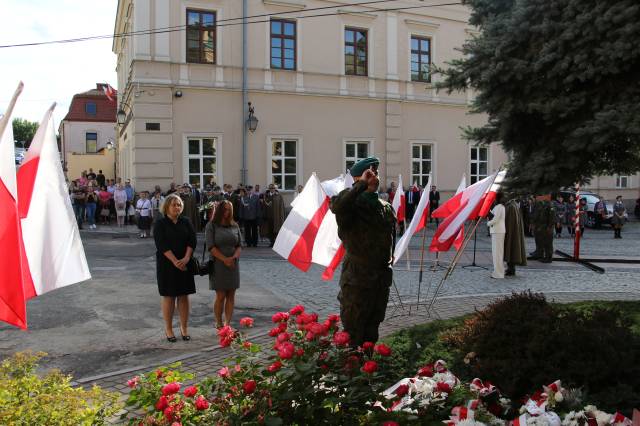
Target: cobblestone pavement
[[110, 328]]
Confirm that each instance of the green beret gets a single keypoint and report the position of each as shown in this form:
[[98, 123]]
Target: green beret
[[362, 165]]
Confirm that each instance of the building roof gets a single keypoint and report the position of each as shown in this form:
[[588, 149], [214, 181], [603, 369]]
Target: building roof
[[105, 110]]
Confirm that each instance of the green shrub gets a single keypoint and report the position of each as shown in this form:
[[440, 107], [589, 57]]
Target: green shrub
[[521, 341], [27, 399]]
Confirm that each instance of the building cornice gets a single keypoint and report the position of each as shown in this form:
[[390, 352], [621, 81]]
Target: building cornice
[[357, 14], [288, 4], [425, 24]]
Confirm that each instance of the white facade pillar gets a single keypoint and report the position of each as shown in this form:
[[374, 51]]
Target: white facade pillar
[[141, 22], [161, 40]]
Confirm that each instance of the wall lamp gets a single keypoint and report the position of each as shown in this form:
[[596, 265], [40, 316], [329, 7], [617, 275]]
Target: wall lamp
[[252, 120]]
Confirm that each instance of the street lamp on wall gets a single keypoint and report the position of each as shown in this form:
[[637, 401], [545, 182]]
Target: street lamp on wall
[[252, 120], [121, 116]]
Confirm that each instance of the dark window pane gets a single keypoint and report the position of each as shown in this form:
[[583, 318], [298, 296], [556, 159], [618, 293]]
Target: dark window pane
[[288, 43], [277, 149], [277, 180], [194, 165], [474, 153], [351, 150], [349, 164], [276, 166], [289, 64], [483, 169], [90, 108], [474, 168], [208, 147], [363, 150], [275, 52], [361, 36], [425, 181], [276, 63], [290, 165], [194, 146], [276, 27], [483, 154], [290, 149], [415, 168], [194, 180], [426, 152], [193, 18], [92, 136], [209, 165], [193, 45], [208, 179], [208, 19], [290, 182], [276, 42], [415, 151], [426, 167], [289, 53]]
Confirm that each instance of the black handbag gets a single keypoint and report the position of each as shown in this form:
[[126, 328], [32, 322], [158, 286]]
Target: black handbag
[[200, 268]]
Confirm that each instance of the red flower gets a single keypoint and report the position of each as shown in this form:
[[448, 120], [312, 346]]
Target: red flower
[[402, 390], [132, 383], [277, 365], [246, 345], [190, 391], [300, 352], [249, 386], [170, 388], [283, 337], [286, 350], [280, 317], [201, 403], [224, 342], [162, 403], [390, 423], [274, 332], [319, 329], [309, 336], [323, 356], [341, 338], [443, 387], [305, 318], [333, 318], [226, 334], [176, 424], [367, 346], [324, 367], [282, 327], [159, 374], [246, 322], [297, 310], [382, 349], [168, 413], [426, 371], [224, 372], [370, 367]]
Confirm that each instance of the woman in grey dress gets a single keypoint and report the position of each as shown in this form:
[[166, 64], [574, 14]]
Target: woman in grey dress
[[224, 244]]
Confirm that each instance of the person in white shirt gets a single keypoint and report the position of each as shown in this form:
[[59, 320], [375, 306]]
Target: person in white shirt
[[143, 208], [498, 230]]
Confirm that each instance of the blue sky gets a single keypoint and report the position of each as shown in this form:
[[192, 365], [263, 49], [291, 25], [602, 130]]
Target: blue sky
[[54, 73]]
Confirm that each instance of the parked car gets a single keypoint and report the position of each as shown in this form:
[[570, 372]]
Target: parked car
[[592, 198]]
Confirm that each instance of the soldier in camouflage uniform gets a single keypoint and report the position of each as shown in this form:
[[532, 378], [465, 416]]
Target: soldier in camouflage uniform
[[366, 226], [544, 219]]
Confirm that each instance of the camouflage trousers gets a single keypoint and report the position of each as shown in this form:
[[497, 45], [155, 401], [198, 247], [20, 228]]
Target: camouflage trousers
[[364, 293]]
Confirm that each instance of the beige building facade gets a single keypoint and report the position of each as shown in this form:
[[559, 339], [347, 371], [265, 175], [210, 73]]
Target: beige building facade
[[327, 91]]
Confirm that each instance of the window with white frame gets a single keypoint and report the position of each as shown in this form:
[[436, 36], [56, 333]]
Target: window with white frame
[[479, 163], [201, 160], [421, 163], [622, 181], [354, 152], [284, 163]]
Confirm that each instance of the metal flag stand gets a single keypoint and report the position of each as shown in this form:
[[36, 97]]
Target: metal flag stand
[[473, 262]]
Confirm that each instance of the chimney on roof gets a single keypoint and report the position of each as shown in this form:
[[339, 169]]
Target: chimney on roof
[[100, 86]]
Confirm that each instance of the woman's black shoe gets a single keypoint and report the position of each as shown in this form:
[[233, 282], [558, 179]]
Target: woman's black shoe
[[186, 338], [172, 339]]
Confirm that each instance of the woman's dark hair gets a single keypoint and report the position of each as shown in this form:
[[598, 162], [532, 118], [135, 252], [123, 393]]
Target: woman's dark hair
[[499, 197], [218, 216]]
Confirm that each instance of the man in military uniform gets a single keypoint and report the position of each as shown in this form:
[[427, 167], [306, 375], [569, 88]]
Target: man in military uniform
[[543, 224], [366, 226]]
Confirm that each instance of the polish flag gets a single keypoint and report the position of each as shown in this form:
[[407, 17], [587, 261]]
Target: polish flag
[[490, 197], [399, 203], [451, 206], [417, 223], [470, 202], [12, 300], [49, 230], [109, 91], [520, 421]]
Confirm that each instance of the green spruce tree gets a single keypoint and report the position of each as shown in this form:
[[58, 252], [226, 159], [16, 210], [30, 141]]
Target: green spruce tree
[[559, 82]]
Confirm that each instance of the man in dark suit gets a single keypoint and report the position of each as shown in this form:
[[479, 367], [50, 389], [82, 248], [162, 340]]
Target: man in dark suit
[[413, 198], [434, 202]]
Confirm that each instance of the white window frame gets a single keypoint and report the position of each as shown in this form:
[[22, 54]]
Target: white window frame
[[477, 161], [370, 150], [298, 174], [186, 156], [432, 145], [627, 179]]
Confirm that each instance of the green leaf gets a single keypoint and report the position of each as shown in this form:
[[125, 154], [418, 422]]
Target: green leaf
[[272, 421]]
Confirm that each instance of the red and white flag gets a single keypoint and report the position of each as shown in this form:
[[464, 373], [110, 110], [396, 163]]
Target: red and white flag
[[310, 232], [109, 91], [490, 196], [12, 300], [451, 206], [417, 223], [49, 230], [470, 202], [399, 203], [520, 421]]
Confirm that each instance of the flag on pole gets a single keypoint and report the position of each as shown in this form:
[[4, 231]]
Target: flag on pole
[[12, 300], [109, 91], [490, 197], [417, 223], [49, 230], [470, 202], [451, 206], [399, 203]]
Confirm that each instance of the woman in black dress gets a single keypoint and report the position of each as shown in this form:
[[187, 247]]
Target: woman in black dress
[[175, 242]]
